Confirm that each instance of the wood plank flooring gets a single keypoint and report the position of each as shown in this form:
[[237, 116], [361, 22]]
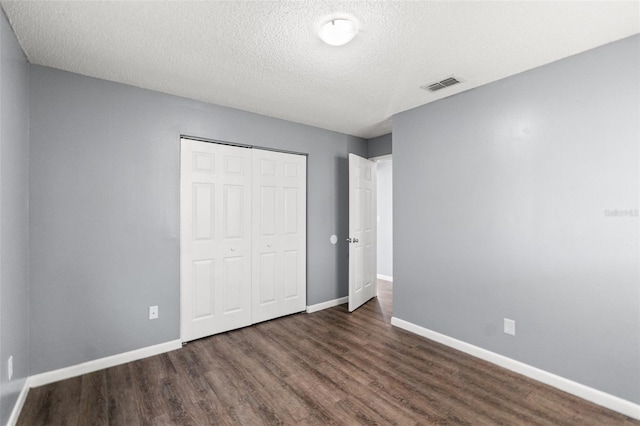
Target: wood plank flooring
[[329, 367]]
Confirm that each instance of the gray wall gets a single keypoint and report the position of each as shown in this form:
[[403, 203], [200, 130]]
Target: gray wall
[[105, 210], [379, 146], [500, 196], [385, 218], [14, 217]]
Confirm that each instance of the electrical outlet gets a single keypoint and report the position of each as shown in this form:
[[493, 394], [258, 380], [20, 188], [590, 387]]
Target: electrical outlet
[[509, 326], [153, 312], [10, 367]]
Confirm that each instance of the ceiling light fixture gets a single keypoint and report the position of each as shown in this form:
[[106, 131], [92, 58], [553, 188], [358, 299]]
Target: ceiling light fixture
[[337, 32]]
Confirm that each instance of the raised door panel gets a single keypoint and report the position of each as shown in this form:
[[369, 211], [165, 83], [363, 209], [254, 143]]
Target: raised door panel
[[358, 254], [267, 210], [232, 284], [203, 294], [291, 213], [232, 217], [266, 283], [291, 274], [367, 236], [203, 211]]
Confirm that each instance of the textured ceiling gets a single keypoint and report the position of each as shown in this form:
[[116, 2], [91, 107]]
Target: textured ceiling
[[265, 56]]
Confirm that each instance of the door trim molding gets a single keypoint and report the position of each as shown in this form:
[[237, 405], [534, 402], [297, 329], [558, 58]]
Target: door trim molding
[[596, 396], [241, 145]]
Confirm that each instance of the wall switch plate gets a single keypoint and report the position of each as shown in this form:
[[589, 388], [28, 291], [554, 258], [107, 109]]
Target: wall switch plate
[[10, 367], [509, 326], [153, 312]]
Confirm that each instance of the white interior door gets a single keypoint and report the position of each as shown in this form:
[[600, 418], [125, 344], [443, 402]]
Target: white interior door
[[279, 234], [215, 238], [362, 231]]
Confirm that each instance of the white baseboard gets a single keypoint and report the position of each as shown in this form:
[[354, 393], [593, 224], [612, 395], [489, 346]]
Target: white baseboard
[[326, 305], [84, 368], [385, 277], [609, 401], [102, 363], [17, 408]]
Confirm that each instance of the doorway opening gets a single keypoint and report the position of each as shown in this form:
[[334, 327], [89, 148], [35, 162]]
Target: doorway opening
[[385, 219]]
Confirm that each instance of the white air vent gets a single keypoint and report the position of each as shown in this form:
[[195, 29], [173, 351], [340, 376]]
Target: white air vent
[[434, 87]]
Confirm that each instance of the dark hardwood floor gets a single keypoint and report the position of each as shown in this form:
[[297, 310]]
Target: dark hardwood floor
[[329, 367]]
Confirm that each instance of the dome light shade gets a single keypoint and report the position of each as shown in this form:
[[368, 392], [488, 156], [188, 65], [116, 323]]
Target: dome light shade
[[337, 32]]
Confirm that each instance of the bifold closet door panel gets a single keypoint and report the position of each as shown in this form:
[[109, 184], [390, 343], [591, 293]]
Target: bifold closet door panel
[[215, 238], [279, 234]]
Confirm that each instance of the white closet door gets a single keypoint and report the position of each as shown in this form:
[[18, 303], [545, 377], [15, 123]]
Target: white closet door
[[279, 234], [215, 238]]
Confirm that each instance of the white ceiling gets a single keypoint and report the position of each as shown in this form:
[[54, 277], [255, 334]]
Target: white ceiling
[[265, 56]]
